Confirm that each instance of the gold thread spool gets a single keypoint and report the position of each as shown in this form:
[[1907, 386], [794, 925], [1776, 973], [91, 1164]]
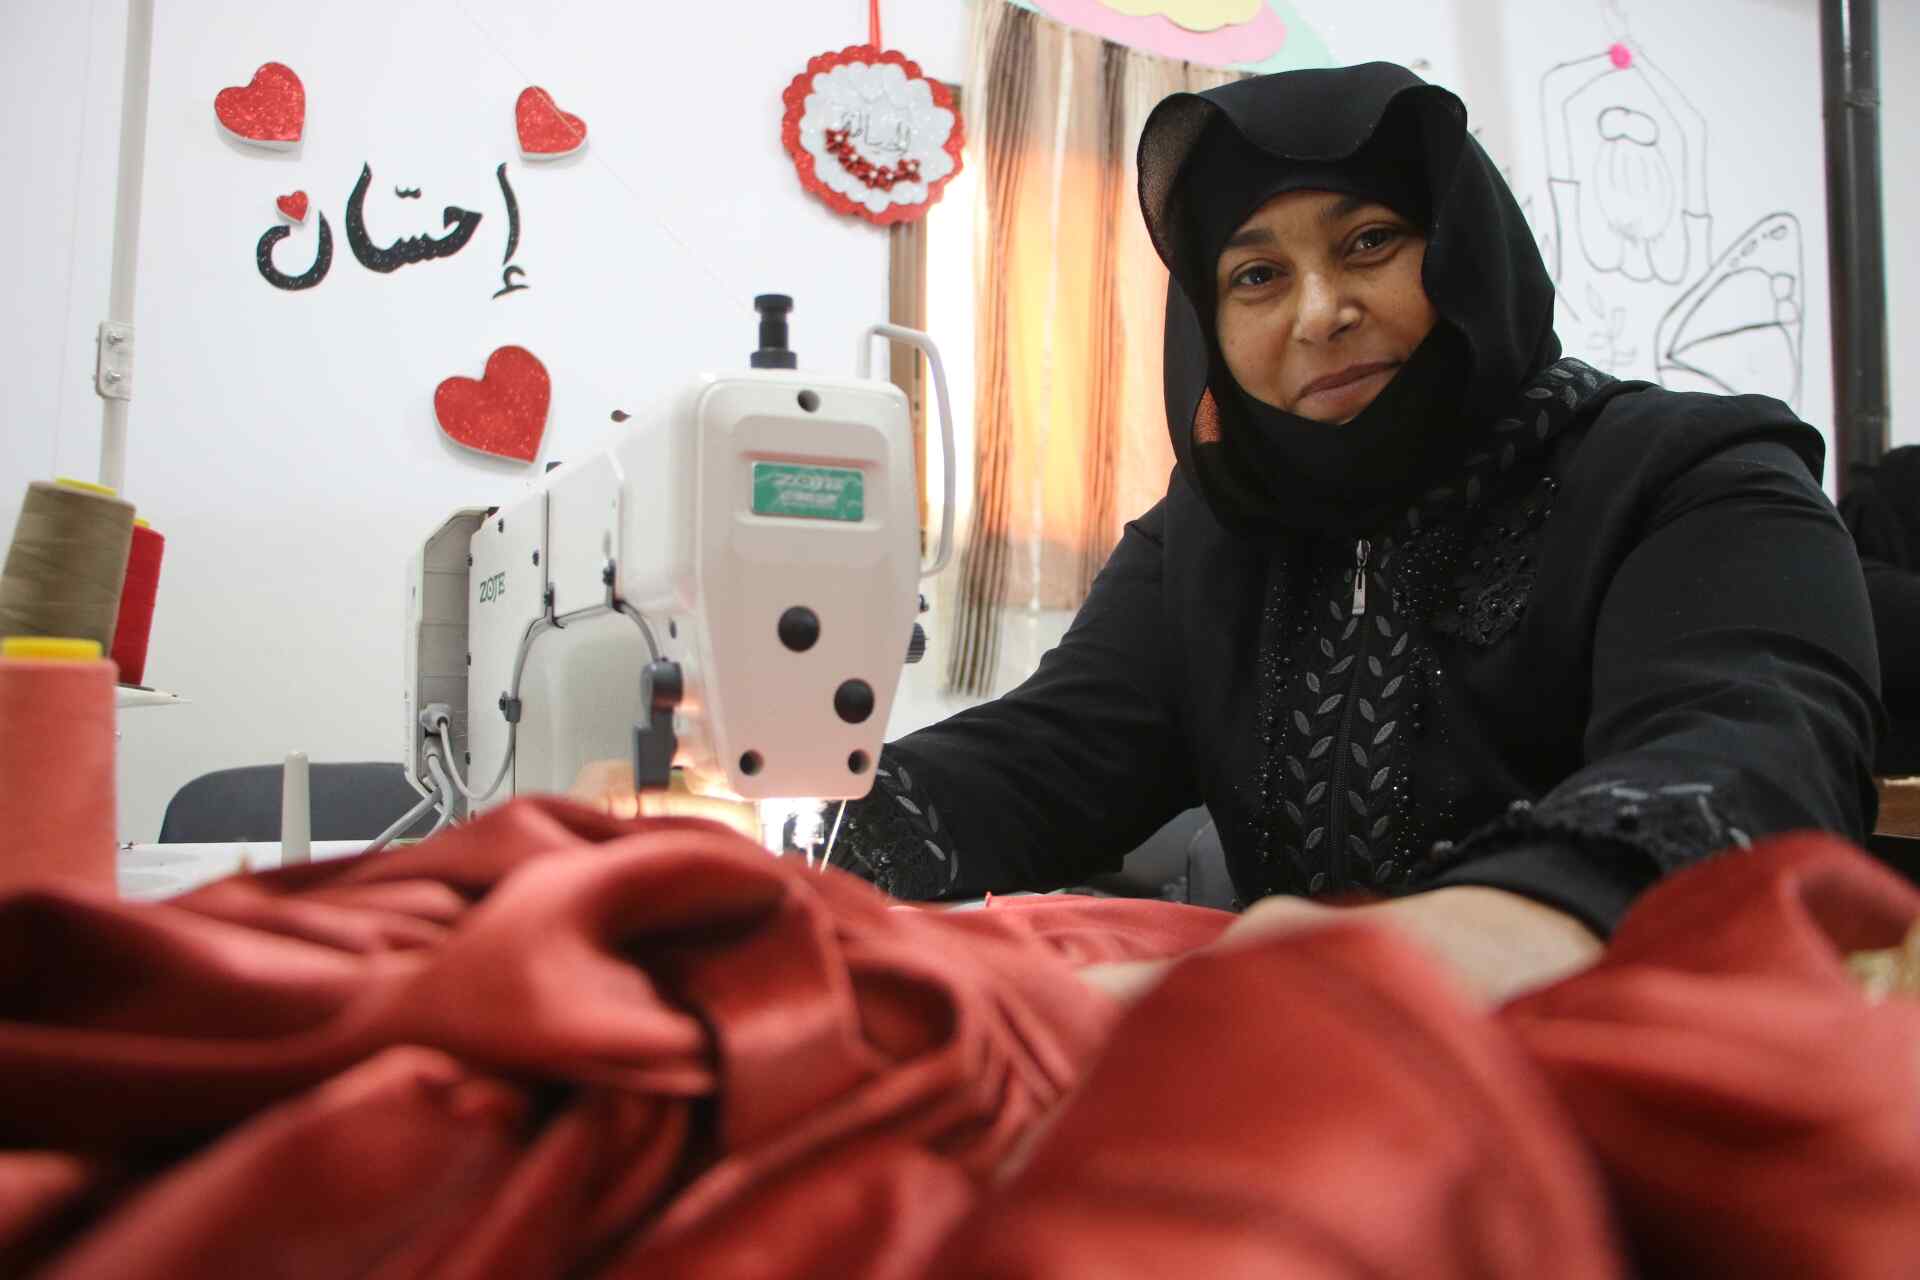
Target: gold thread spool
[[67, 562]]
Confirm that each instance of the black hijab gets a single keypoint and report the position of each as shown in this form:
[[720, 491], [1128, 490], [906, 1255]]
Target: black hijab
[[1208, 160]]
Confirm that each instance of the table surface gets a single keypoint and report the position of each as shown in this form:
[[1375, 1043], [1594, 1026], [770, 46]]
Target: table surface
[[128, 695], [150, 871], [1899, 807]]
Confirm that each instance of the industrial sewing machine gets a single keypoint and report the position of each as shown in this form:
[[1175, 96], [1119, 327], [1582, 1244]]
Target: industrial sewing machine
[[726, 591]]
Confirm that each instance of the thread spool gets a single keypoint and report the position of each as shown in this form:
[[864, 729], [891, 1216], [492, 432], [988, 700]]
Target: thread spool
[[67, 563], [135, 625], [296, 811], [56, 763]]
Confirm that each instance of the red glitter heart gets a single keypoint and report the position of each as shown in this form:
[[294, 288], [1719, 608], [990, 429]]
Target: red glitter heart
[[546, 131], [504, 413], [270, 112], [294, 206]]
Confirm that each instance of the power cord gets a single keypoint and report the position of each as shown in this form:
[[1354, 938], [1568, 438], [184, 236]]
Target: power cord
[[445, 789], [440, 797], [437, 718], [411, 816]]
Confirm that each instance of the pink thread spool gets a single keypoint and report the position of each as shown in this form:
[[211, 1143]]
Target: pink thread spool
[[56, 763]]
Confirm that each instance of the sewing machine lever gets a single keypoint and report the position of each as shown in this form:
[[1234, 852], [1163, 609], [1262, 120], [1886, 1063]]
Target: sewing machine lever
[[654, 743]]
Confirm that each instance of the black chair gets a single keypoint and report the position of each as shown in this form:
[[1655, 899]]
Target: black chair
[[1156, 868], [348, 802], [1181, 862], [1208, 883]]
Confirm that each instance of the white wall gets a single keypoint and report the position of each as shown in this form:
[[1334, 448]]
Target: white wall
[[285, 442], [60, 85]]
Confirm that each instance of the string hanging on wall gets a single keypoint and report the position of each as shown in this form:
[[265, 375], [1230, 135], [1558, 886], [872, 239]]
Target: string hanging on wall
[[67, 563]]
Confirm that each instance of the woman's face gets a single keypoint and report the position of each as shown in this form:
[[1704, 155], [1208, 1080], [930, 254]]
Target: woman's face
[[1321, 302]]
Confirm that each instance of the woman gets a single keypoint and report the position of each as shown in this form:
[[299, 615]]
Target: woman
[[1428, 611]]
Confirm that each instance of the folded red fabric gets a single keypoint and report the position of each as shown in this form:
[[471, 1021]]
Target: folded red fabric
[[1756, 1115], [551, 1043], [1718, 1088], [542, 1040], [1321, 1104]]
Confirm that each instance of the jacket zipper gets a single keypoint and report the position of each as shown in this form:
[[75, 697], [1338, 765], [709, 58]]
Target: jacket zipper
[[1361, 550], [1343, 741]]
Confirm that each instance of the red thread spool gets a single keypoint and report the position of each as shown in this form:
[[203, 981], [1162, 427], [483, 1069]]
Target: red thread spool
[[135, 624], [56, 763]]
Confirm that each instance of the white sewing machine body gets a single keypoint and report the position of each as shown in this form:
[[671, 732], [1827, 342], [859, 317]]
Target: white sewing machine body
[[755, 539]]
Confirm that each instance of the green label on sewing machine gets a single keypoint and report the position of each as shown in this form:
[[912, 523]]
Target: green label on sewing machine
[[812, 493]]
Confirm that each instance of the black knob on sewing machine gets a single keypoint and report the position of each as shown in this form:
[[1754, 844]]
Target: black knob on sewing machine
[[917, 643], [654, 742], [773, 352]]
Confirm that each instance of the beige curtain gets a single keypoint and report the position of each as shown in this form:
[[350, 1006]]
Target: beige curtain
[[1071, 440]]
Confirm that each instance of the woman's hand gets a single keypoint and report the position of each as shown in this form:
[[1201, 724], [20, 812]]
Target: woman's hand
[[1497, 944], [607, 785], [1124, 980]]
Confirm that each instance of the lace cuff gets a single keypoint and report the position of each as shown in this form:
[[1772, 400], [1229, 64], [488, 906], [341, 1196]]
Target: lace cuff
[[1629, 835], [894, 836]]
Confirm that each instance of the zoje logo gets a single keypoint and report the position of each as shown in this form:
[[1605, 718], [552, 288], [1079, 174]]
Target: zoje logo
[[812, 493], [493, 588], [810, 490]]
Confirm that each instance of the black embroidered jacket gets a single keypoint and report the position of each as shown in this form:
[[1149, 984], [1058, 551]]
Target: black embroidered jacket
[[1630, 633]]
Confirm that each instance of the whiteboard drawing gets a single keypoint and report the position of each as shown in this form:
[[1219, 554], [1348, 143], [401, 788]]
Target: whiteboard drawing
[[1626, 166], [1607, 336], [1739, 328], [1627, 232]]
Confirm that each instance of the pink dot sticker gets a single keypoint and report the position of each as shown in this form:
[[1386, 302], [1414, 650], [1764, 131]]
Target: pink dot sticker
[[1621, 55]]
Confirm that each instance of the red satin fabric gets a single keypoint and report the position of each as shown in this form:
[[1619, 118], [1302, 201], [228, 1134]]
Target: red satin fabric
[[1321, 1105], [549, 1043], [1755, 1115], [541, 1042]]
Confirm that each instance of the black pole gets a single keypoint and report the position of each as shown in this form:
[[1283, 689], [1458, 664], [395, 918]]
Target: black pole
[[1856, 244]]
